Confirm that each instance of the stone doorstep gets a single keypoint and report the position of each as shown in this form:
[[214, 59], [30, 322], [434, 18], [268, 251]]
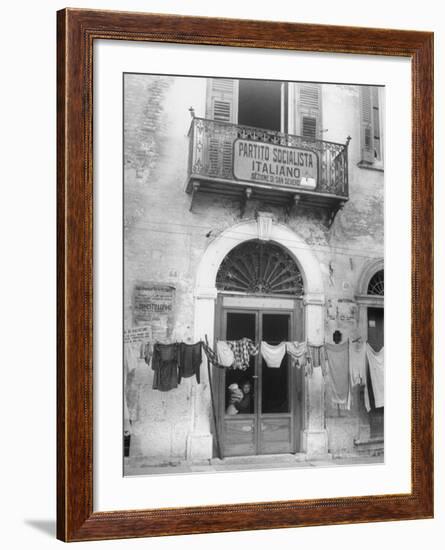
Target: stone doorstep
[[261, 459], [288, 458], [374, 446]]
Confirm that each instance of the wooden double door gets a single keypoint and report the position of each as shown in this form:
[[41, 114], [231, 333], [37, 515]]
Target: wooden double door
[[267, 420]]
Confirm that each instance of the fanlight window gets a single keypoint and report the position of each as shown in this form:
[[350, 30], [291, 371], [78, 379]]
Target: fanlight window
[[256, 267], [376, 286]]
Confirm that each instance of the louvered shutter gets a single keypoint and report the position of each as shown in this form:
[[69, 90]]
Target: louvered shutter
[[375, 123], [309, 127], [222, 106], [222, 99], [309, 110], [366, 124]]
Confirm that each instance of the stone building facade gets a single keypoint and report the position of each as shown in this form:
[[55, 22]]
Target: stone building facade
[[189, 207]]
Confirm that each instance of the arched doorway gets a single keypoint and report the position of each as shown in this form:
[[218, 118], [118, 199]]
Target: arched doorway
[[310, 436], [260, 297], [370, 297]]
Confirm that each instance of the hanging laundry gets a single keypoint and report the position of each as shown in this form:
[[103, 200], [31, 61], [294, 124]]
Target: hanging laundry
[[298, 353], [127, 423], [147, 352], [132, 354], [357, 362], [273, 355], [165, 365], [366, 397], [190, 358], [211, 355], [316, 358], [224, 354], [338, 373], [242, 350], [377, 372]]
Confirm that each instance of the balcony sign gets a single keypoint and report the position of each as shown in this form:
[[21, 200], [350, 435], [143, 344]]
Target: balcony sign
[[267, 163]]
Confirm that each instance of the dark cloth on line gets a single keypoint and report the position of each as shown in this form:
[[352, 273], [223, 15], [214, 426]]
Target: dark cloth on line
[[190, 358], [165, 366]]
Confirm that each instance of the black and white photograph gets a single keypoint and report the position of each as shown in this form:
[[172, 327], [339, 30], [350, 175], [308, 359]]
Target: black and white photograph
[[253, 296]]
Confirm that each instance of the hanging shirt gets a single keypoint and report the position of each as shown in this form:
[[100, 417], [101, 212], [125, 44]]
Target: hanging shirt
[[298, 353], [190, 358], [224, 354], [357, 362], [316, 358], [165, 365], [338, 373], [377, 372], [273, 355], [242, 350]]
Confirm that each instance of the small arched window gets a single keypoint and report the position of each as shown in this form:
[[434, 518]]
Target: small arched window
[[376, 285], [258, 267]]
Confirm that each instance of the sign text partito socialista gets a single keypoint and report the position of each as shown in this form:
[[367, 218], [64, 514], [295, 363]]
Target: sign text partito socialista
[[274, 164]]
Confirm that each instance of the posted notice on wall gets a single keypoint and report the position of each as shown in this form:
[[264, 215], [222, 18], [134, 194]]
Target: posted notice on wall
[[138, 334]]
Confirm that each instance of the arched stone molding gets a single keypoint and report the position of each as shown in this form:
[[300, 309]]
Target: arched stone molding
[[362, 297], [245, 231], [370, 269], [314, 436]]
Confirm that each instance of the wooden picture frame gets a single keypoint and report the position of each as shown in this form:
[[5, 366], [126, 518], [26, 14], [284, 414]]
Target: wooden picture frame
[[76, 32]]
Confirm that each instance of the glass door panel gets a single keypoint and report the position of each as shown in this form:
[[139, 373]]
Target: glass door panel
[[240, 384], [275, 381], [275, 423]]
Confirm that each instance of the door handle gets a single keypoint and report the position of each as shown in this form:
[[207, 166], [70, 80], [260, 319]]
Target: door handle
[[254, 376]]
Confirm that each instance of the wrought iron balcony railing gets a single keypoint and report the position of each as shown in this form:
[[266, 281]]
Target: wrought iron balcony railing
[[230, 158]]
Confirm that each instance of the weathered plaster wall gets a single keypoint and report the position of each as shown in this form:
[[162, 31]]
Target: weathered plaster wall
[[164, 241]]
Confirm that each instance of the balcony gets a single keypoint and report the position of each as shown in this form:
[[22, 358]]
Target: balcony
[[280, 169]]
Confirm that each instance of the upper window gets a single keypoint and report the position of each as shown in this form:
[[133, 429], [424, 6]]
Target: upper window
[[267, 104], [371, 134]]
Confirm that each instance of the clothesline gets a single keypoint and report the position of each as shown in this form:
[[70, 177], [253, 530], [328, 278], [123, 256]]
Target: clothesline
[[171, 362], [332, 358]]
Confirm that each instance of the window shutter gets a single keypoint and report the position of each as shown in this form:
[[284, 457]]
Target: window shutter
[[222, 99], [309, 127], [309, 110], [376, 123], [366, 124], [221, 106]]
